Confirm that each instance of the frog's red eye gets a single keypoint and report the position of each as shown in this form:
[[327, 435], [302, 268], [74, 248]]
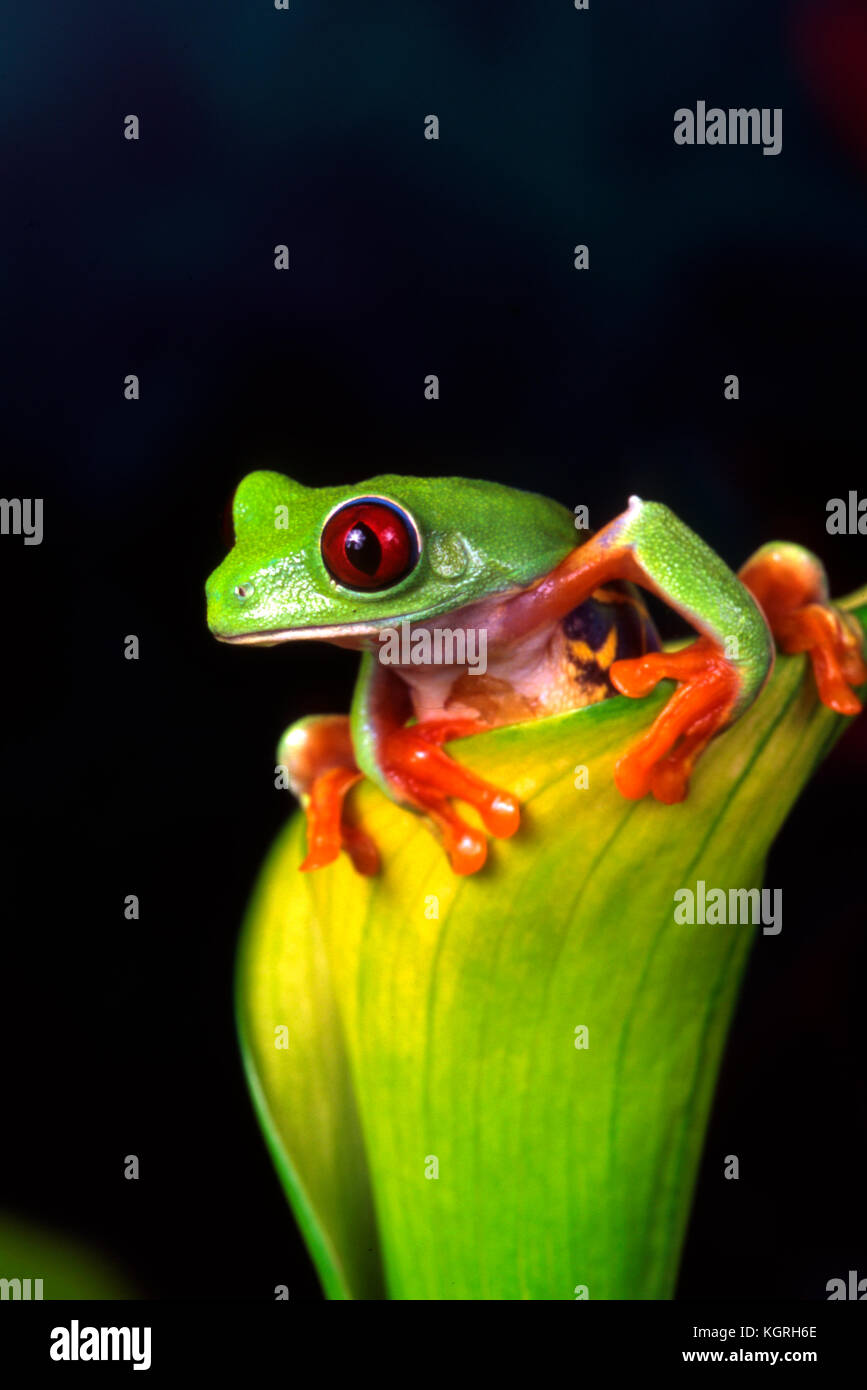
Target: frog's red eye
[[369, 543]]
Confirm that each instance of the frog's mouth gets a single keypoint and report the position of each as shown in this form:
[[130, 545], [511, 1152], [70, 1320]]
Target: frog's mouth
[[342, 634]]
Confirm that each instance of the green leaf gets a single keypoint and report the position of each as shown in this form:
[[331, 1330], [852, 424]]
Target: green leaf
[[415, 1037]]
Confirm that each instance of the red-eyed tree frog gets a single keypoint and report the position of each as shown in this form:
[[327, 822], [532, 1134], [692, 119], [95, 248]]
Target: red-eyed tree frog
[[422, 575]]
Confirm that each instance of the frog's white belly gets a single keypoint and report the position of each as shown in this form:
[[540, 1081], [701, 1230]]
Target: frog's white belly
[[530, 682]]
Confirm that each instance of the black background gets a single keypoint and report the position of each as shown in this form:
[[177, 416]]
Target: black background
[[407, 257]]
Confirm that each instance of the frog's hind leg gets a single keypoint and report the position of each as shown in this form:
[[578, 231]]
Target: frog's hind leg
[[791, 585], [718, 675], [321, 768]]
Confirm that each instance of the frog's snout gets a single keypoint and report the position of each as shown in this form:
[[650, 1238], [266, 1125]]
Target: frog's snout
[[228, 597]]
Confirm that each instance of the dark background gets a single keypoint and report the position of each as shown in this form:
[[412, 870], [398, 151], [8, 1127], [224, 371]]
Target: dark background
[[407, 257]]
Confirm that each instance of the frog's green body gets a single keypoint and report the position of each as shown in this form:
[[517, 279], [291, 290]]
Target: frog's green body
[[467, 566]]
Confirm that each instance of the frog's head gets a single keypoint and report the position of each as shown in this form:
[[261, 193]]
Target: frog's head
[[340, 564]]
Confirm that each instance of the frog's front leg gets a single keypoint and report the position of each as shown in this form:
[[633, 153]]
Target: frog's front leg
[[408, 764], [791, 585], [321, 768], [719, 675]]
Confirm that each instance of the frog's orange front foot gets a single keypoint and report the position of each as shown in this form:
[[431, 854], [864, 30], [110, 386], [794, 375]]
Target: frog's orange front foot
[[426, 777], [329, 831], [791, 587], [661, 761], [318, 757]]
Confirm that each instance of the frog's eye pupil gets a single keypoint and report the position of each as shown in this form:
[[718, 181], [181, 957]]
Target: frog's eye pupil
[[362, 548], [369, 544]]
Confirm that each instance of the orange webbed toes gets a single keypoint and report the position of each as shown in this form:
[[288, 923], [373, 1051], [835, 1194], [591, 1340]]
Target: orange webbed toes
[[430, 779], [328, 831], [662, 760], [834, 649]]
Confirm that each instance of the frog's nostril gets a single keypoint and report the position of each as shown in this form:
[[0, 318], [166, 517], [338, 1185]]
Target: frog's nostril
[[243, 591]]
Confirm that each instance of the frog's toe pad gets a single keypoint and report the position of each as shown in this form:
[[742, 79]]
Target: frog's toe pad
[[466, 848]]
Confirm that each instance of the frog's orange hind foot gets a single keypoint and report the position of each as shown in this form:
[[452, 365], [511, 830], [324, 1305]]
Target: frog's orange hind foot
[[662, 760], [791, 587], [329, 831], [834, 649], [426, 777]]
